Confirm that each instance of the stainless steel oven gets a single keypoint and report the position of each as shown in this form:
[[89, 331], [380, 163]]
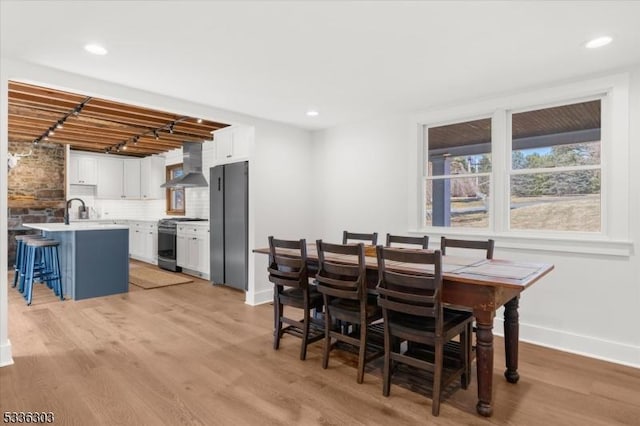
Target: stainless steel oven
[[167, 242]]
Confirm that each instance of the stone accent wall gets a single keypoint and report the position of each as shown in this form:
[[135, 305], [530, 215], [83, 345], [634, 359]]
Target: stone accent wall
[[36, 189]]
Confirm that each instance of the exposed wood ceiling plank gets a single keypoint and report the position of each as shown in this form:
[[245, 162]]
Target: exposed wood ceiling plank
[[101, 124]]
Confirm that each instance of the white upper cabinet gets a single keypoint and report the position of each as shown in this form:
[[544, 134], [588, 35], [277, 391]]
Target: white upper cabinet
[[131, 180], [83, 170], [152, 175], [110, 178], [118, 179], [232, 144]]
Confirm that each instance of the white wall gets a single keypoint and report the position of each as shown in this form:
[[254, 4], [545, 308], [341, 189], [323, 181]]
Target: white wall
[[361, 178], [277, 168], [280, 171], [588, 304]]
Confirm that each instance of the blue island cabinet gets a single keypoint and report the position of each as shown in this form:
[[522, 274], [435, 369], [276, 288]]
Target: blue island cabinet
[[94, 261]]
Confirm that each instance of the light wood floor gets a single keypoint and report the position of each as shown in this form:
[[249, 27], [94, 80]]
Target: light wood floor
[[195, 354]]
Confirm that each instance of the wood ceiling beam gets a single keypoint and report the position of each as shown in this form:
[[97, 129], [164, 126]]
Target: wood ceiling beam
[[102, 123]]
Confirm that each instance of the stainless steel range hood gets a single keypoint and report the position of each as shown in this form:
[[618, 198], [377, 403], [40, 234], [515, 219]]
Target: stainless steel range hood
[[192, 176]]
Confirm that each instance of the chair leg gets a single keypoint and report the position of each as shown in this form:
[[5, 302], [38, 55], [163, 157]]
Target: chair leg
[[362, 353], [305, 332], [16, 266], [468, 348], [327, 336], [277, 333], [386, 370], [464, 358], [437, 378]]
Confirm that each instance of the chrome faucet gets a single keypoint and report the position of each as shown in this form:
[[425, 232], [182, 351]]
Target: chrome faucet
[[66, 209]]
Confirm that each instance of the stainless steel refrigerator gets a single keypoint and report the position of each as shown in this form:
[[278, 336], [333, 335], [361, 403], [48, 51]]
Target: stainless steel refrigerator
[[228, 211]]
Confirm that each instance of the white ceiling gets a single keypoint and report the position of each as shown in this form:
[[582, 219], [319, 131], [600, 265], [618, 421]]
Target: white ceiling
[[349, 60]]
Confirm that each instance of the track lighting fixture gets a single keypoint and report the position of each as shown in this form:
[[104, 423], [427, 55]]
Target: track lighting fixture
[[199, 120], [59, 124], [155, 132]]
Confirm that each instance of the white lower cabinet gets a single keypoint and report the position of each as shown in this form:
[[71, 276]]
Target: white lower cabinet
[[192, 248], [143, 241]]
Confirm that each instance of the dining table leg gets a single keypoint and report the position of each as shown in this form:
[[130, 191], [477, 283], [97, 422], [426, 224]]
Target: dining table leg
[[511, 337], [484, 359]]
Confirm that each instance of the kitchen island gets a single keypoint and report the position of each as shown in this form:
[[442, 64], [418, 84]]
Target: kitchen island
[[94, 257]]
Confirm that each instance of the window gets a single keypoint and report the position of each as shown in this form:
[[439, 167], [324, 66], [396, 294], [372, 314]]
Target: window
[[555, 168], [175, 196], [547, 169], [458, 174]]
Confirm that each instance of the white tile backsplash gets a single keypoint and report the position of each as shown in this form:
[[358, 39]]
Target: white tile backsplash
[[116, 209]]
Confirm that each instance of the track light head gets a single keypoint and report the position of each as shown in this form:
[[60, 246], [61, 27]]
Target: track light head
[[135, 140], [60, 124], [171, 127], [155, 133], [35, 141]]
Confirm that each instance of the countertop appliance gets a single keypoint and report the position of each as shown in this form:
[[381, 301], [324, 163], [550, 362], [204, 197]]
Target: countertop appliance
[[229, 189], [167, 241]]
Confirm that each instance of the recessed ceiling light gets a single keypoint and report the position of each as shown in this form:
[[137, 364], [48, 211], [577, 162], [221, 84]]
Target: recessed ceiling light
[[96, 49], [313, 113], [199, 120], [598, 42]]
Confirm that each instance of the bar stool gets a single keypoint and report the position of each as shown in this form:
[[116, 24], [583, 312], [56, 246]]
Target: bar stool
[[20, 263], [42, 254]]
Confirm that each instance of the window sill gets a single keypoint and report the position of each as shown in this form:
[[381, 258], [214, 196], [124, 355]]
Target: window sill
[[527, 242]]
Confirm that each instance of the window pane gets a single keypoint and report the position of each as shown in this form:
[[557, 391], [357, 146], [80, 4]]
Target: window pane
[[458, 202], [177, 199], [461, 148], [560, 201], [562, 136]]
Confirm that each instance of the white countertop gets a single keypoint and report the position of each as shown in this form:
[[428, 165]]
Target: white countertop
[[74, 226]]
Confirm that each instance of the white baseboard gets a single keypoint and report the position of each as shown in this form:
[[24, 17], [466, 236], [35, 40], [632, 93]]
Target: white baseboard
[[5, 354], [260, 298], [589, 346]]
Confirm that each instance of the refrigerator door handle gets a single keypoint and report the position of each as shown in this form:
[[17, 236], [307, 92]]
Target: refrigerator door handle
[[219, 184]]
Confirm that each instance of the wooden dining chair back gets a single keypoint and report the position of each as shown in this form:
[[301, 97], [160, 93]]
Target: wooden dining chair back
[[412, 310], [420, 242], [486, 245], [343, 287], [367, 239], [288, 273]]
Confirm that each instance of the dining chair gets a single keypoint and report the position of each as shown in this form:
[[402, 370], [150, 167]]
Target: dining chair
[[485, 245], [344, 291], [367, 239], [413, 311], [288, 273], [421, 242]]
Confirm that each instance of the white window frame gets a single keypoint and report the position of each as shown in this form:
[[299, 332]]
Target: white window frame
[[614, 236], [604, 106], [426, 177]]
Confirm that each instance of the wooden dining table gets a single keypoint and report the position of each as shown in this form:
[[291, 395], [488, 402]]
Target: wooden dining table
[[480, 286]]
